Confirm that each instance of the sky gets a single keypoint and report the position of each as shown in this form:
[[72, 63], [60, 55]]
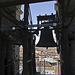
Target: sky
[[41, 8]]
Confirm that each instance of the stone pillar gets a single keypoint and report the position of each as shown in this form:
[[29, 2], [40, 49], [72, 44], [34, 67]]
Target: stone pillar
[[34, 64], [72, 55], [67, 53], [64, 53], [25, 41], [10, 58], [27, 54], [17, 48], [30, 54], [2, 53]]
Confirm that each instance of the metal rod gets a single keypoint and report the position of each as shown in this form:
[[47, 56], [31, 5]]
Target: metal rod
[[44, 67]]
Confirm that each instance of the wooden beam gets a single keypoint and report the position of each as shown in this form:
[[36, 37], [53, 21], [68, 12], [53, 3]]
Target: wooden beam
[[67, 6], [71, 14], [19, 2], [70, 22], [11, 18]]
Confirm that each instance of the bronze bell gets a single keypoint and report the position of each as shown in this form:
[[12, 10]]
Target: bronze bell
[[46, 39]]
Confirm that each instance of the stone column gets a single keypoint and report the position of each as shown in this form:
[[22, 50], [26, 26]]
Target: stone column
[[30, 54], [65, 55], [25, 41], [25, 53], [2, 53], [34, 64], [71, 55]]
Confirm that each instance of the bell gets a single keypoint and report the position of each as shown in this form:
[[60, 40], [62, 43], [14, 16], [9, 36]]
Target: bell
[[46, 39]]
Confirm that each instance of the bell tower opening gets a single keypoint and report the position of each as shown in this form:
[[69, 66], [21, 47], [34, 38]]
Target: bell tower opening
[[46, 54]]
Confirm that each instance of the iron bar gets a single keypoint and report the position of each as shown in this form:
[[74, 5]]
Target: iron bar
[[44, 67], [42, 25], [39, 29], [8, 30]]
